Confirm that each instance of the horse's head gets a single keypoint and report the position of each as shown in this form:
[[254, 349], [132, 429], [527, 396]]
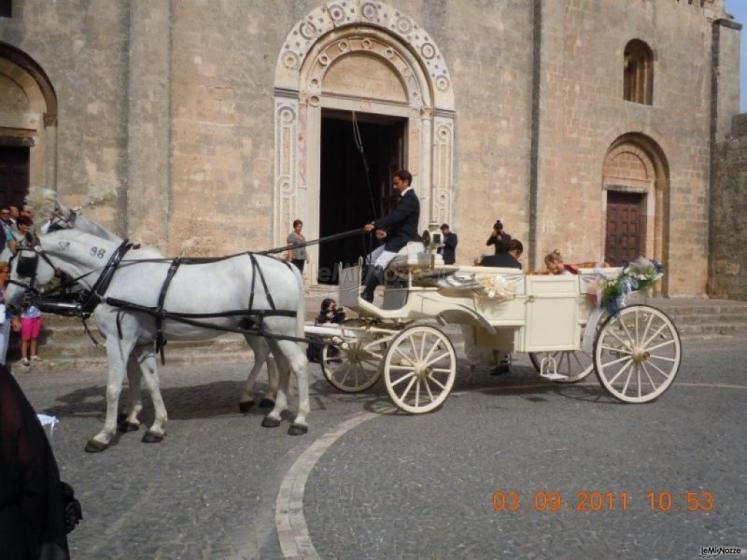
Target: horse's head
[[30, 270]]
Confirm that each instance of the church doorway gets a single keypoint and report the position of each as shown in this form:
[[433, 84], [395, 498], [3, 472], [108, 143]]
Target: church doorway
[[624, 227], [14, 175], [347, 199]]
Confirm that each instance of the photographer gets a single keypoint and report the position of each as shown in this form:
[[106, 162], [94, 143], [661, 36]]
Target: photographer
[[499, 238]]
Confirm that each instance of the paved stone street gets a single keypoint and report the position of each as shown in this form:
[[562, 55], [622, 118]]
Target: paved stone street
[[389, 485]]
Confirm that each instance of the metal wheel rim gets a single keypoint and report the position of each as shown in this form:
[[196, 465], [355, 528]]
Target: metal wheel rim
[[637, 354], [420, 369], [576, 364]]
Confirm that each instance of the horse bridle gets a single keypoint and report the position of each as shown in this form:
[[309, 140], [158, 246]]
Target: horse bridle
[[97, 291], [29, 288]]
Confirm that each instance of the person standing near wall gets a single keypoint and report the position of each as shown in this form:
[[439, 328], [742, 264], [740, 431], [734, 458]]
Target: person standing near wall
[[448, 250], [297, 255], [499, 238]]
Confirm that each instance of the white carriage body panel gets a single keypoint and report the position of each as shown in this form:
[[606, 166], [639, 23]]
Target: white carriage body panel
[[511, 311], [551, 314]]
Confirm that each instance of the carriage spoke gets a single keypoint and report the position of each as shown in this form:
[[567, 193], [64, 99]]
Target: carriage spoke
[[409, 360], [437, 382], [627, 381], [620, 340], [638, 376], [622, 369], [417, 393], [422, 346], [441, 369], [653, 336], [637, 340], [660, 345], [648, 325], [403, 378], [405, 368], [664, 358], [645, 370], [627, 332], [407, 389], [428, 388], [618, 350], [346, 368], [657, 368], [412, 345], [618, 360], [431, 351], [435, 360]]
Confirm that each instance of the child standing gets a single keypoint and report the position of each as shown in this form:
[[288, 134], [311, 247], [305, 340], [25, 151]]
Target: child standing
[[30, 329]]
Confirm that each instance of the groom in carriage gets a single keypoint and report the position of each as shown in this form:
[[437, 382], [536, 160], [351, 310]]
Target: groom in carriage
[[397, 228]]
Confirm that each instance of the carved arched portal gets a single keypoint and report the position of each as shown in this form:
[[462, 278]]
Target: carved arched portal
[[635, 166], [28, 123], [414, 84]]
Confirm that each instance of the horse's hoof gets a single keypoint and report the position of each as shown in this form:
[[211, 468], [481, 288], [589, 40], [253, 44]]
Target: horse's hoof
[[246, 406], [266, 403], [95, 446], [270, 422], [125, 427], [152, 437], [121, 417], [297, 430]]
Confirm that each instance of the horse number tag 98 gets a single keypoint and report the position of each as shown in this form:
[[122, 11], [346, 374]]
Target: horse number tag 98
[[98, 253]]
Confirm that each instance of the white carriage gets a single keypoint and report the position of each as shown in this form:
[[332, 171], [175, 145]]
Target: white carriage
[[635, 353]]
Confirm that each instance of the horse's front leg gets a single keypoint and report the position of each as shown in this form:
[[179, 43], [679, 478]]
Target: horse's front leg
[[149, 369], [117, 352], [129, 422]]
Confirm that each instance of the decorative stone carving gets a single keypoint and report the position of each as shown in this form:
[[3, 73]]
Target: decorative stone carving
[[443, 157], [286, 140], [346, 13]]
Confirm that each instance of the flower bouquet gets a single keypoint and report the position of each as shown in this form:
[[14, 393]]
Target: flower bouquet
[[639, 276]]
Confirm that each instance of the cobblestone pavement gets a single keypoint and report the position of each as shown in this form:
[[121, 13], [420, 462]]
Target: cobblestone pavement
[[407, 487]]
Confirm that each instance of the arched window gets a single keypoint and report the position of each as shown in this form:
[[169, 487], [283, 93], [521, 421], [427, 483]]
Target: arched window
[[639, 73]]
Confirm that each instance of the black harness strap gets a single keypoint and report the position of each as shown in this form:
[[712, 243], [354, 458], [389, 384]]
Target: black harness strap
[[258, 271], [160, 339], [99, 288]]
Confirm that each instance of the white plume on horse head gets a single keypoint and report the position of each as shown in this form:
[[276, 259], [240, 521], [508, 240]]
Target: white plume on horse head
[[100, 194], [42, 201]]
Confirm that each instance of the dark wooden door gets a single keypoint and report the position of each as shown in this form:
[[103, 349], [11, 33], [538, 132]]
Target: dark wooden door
[[14, 176], [624, 219]]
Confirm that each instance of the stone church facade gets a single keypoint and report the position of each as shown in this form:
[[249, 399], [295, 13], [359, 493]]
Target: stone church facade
[[588, 126]]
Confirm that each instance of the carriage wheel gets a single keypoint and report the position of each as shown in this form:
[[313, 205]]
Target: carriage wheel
[[637, 354], [354, 366], [419, 369], [574, 365]]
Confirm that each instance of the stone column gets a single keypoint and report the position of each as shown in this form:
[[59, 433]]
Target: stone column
[[148, 123]]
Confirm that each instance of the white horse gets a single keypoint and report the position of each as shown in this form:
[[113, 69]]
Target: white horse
[[46, 203], [209, 288]]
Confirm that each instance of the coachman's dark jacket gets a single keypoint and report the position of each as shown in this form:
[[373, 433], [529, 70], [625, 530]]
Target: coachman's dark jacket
[[401, 224]]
